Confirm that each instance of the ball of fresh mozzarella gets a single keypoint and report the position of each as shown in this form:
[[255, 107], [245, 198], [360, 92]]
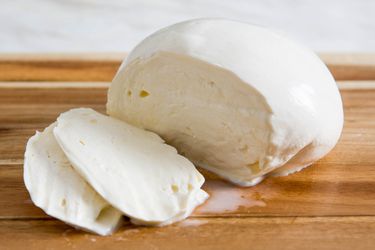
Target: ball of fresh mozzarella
[[239, 100]]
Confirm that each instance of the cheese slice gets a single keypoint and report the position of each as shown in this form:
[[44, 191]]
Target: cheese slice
[[55, 187], [240, 100], [133, 169]]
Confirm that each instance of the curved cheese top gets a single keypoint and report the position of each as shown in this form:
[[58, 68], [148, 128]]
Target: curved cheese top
[[301, 100]]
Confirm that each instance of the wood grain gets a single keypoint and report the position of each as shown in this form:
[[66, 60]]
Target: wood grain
[[103, 66], [59, 67], [326, 189], [335, 185], [350, 66], [215, 233], [330, 205]]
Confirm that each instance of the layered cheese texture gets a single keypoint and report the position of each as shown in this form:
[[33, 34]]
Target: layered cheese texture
[[56, 188], [132, 169], [89, 169], [237, 99]]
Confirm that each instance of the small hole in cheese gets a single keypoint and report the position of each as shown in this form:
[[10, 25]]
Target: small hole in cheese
[[129, 92], [143, 93], [80, 141], [63, 202], [254, 167], [244, 148], [174, 188]]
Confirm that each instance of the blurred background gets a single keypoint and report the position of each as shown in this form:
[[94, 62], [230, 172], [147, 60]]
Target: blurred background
[[117, 25]]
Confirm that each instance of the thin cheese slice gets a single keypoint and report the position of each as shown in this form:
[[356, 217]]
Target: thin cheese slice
[[133, 169], [55, 187]]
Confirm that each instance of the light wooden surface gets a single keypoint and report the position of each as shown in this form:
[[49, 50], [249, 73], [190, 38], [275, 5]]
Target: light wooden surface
[[102, 67], [330, 205]]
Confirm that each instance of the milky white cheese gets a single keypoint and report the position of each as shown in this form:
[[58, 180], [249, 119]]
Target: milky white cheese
[[133, 169], [56, 188], [237, 99], [194, 201]]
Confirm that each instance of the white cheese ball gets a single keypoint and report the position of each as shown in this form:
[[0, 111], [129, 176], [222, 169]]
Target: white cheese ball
[[236, 99]]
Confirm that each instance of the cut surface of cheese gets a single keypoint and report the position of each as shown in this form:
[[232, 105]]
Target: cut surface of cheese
[[60, 191], [133, 169], [237, 99]]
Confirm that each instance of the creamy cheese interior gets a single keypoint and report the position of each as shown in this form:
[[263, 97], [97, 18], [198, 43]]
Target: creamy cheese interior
[[210, 115]]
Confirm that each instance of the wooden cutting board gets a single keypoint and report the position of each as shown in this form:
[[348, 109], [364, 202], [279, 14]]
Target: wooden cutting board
[[330, 205]]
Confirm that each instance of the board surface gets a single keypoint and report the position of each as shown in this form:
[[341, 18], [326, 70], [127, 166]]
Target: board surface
[[330, 205]]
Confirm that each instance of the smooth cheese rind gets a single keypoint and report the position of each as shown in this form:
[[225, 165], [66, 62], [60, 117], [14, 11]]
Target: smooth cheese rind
[[55, 187], [273, 104], [133, 169]]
